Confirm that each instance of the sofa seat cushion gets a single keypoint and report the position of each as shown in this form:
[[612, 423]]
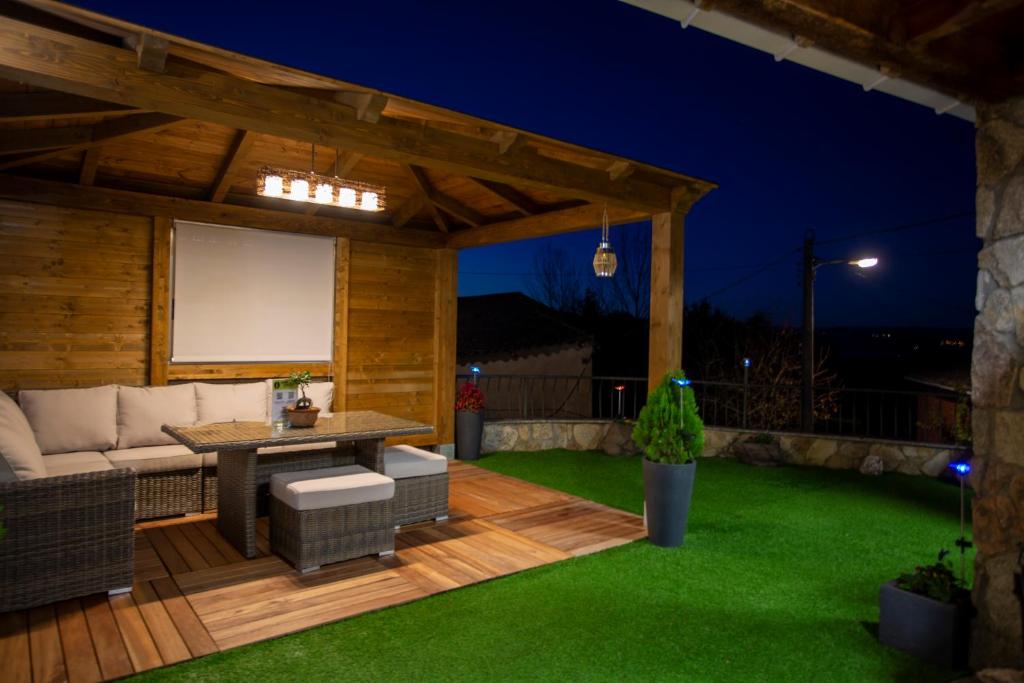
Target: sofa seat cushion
[[69, 420], [331, 487], [153, 459], [79, 462], [238, 402], [20, 457], [142, 411], [401, 462]]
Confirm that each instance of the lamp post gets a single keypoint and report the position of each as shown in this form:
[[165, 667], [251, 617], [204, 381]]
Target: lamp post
[[810, 267]]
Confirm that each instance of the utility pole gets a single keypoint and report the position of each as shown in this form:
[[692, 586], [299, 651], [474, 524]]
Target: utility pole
[[807, 369]]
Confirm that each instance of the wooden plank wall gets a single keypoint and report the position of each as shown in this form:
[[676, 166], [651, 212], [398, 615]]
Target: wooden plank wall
[[74, 297], [76, 294]]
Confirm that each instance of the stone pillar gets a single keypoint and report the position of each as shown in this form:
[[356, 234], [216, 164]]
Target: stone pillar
[[997, 380]]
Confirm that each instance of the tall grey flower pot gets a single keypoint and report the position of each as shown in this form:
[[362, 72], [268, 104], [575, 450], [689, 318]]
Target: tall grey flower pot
[[926, 628], [469, 432], [667, 493]]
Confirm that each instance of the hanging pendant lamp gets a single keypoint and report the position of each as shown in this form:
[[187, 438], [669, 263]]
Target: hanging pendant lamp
[[604, 258]]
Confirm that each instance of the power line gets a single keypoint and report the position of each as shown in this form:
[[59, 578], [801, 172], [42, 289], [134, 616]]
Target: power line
[[750, 276], [899, 228]]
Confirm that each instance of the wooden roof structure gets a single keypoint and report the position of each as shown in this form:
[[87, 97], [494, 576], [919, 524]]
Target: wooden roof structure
[[100, 113]]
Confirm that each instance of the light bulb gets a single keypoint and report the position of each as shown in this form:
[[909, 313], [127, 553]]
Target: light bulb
[[300, 190], [347, 197], [324, 193], [865, 263], [273, 186], [369, 202]]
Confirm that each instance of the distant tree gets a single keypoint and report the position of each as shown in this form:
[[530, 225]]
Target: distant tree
[[630, 289], [557, 280]]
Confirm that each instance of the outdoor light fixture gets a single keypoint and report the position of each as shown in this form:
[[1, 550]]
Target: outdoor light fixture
[[960, 467], [326, 190], [605, 262], [681, 381], [475, 369], [865, 262], [746, 362]]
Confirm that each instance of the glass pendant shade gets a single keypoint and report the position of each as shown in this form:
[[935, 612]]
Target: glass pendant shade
[[605, 262]]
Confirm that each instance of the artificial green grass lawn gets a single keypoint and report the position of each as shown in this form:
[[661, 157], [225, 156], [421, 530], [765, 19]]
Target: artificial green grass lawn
[[778, 581]]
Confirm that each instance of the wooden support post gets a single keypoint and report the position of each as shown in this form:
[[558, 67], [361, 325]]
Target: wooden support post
[[339, 359], [160, 311], [666, 328], [446, 300]]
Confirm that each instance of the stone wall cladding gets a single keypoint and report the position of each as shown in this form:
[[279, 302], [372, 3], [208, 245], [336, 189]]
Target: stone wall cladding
[[615, 438], [997, 382]]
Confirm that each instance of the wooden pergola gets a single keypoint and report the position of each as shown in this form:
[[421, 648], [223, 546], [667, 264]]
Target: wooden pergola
[[109, 131]]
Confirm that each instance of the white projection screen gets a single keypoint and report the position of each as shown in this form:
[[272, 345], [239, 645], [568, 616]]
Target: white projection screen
[[242, 295]]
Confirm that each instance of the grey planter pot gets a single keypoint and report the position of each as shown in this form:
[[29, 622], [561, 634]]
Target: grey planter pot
[[469, 432], [926, 628], [667, 493]]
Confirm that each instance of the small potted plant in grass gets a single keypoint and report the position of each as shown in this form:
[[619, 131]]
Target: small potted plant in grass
[[927, 613], [469, 421], [671, 436], [304, 413]]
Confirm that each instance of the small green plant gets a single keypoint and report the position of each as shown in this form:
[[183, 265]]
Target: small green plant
[[936, 581], [302, 380], [668, 429], [764, 439]]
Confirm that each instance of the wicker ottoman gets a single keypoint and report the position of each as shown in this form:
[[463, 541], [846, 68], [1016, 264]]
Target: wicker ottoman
[[322, 516], [421, 483]]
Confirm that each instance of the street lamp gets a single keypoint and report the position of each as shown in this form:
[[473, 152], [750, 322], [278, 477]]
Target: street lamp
[[811, 265]]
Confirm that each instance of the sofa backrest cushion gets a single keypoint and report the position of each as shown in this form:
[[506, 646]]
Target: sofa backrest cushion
[[322, 394], [142, 411], [243, 402], [20, 457], [67, 420]]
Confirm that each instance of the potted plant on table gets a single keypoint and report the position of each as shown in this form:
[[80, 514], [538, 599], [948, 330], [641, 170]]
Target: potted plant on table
[[671, 436], [927, 613], [469, 421], [304, 413]]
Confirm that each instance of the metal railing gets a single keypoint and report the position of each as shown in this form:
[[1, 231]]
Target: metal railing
[[933, 417]]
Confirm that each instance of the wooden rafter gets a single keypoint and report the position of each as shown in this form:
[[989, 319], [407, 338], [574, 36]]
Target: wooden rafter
[[511, 196], [236, 154], [91, 136], [368, 105], [90, 162], [620, 169], [53, 106], [407, 210], [541, 224], [142, 204], [937, 19], [52, 59], [150, 51], [423, 187]]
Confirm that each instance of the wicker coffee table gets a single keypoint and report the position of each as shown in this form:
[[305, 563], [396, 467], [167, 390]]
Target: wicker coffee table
[[235, 443]]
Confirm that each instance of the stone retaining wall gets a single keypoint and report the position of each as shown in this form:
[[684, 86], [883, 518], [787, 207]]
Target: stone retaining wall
[[796, 449]]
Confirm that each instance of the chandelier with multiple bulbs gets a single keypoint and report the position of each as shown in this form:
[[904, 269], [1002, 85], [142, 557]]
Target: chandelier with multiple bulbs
[[605, 262], [315, 188]]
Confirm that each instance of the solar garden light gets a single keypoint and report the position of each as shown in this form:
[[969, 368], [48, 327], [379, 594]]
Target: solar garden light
[[746, 388], [475, 369], [620, 390], [682, 383], [962, 469]]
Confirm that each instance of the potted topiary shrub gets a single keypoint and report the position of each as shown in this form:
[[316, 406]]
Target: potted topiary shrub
[[927, 613], [469, 421], [304, 413], [671, 436]]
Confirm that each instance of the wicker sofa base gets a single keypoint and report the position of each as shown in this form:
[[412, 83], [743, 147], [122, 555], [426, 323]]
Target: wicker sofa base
[[311, 538], [418, 499], [163, 494]]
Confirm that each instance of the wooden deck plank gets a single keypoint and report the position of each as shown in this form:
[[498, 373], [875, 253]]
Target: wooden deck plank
[[228, 551], [79, 655], [142, 650], [148, 564], [106, 637], [171, 558], [192, 631], [168, 641], [14, 647], [44, 642], [201, 543], [193, 558]]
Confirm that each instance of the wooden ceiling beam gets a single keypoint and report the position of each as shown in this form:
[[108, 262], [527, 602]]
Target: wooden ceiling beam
[[425, 190], [236, 155], [930, 21], [150, 51], [49, 106], [541, 225], [368, 105], [143, 204], [90, 163], [59, 61], [101, 133], [620, 169], [407, 210], [511, 196]]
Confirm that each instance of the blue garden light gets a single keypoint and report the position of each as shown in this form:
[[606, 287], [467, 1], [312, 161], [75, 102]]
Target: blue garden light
[[475, 369], [746, 362], [681, 381], [961, 467]]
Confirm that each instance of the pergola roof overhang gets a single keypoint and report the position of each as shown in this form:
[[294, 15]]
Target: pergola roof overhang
[[88, 85]]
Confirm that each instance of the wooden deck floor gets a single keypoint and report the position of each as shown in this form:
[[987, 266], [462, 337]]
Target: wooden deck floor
[[195, 595]]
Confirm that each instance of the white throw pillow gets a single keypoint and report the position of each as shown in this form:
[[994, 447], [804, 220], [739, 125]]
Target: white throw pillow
[[322, 394], [243, 402], [20, 457], [142, 411], [68, 420]]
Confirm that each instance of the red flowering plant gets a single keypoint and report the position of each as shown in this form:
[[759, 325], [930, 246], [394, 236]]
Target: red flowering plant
[[470, 398]]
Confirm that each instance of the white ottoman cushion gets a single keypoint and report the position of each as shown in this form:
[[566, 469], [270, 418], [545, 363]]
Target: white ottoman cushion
[[401, 462], [67, 420], [331, 487]]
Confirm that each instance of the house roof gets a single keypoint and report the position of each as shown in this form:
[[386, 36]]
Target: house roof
[[512, 325]]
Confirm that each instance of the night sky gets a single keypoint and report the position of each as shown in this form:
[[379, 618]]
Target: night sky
[[791, 148]]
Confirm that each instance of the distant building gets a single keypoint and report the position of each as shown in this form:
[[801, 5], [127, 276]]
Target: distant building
[[515, 340]]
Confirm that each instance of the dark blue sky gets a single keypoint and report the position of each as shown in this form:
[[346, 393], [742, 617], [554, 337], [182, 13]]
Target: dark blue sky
[[791, 148]]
